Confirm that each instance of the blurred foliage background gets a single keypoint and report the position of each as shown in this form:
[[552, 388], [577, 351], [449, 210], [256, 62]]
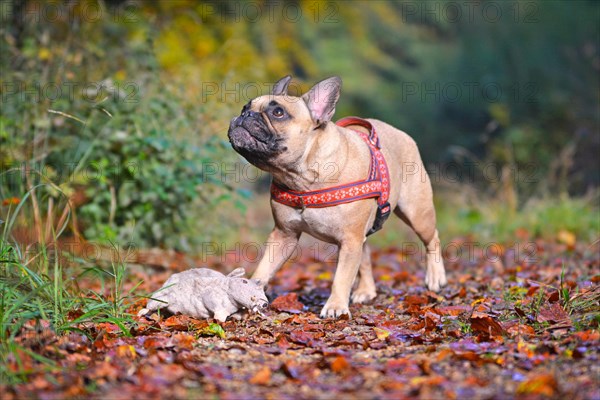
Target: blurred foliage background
[[115, 113]]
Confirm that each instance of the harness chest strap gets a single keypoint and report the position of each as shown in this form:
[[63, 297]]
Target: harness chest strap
[[376, 185]]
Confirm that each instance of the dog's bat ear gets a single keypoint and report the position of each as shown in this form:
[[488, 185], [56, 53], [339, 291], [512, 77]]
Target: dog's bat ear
[[280, 88], [322, 98]]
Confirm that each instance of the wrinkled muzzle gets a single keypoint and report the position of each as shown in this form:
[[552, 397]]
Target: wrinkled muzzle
[[251, 137]]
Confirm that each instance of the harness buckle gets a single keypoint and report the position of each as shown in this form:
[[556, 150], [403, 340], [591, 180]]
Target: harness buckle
[[383, 212]]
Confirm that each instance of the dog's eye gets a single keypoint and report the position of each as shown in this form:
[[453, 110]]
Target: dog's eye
[[278, 112]]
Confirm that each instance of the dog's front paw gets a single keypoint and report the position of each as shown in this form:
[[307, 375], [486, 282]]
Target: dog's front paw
[[435, 279], [334, 309], [363, 295]]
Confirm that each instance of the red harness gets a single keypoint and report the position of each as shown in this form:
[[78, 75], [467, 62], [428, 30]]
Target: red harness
[[376, 185]]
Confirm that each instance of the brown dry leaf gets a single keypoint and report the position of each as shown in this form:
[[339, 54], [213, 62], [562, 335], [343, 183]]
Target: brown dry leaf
[[405, 366], [451, 310], [391, 385], [292, 369], [282, 341], [544, 385], [103, 370], [288, 303], [588, 336], [262, 377], [126, 351], [301, 337], [554, 314], [157, 342], [468, 356], [340, 365], [520, 329], [485, 325], [411, 300], [142, 328], [427, 380], [443, 354], [184, 341], [22, 363], [178, 322]]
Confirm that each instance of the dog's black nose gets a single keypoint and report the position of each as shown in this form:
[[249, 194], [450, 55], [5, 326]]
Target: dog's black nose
[[264, 305], [249, 114]]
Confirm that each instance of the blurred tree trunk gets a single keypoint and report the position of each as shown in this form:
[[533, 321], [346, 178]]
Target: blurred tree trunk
[[17, 21]]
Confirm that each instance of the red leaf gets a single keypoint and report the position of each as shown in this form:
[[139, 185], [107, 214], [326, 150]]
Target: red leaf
[[301, 337], [288, 303]]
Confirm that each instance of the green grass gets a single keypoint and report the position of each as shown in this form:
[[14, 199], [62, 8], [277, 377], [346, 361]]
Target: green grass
[[482, 218], [487, 218], [33, 288]]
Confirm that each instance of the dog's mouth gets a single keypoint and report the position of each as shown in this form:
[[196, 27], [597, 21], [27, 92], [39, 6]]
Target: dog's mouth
[[251, 137], [244, 137]]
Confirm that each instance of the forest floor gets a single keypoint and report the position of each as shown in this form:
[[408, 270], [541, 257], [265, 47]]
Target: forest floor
[[500, 329]]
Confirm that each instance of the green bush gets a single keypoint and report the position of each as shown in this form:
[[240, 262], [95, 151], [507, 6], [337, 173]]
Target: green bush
[[125, 146]]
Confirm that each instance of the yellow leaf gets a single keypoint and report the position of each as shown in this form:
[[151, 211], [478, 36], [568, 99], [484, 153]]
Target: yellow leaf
[[544, 384], [381, 333], [120, 75], [126, 351], [474, 303], [44, 54], [324, 276], [566, 237], [500, 113]]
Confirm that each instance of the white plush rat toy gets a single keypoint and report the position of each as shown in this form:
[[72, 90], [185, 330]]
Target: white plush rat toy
[[204, 293]]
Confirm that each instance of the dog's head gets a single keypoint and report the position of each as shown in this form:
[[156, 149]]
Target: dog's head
[[273, 131]]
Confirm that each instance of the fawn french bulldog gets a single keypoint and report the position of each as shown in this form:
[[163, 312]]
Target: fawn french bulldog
[[336, 182]]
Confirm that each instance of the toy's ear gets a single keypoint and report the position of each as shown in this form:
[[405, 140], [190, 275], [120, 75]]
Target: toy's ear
[[237, 273]]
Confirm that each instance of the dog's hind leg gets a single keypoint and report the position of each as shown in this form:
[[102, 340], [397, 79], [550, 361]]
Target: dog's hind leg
[[420, 216], [365, 290]]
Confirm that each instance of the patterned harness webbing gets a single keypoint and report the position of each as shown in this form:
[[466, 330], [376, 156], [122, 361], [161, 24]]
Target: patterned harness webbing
[[376, 185]]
